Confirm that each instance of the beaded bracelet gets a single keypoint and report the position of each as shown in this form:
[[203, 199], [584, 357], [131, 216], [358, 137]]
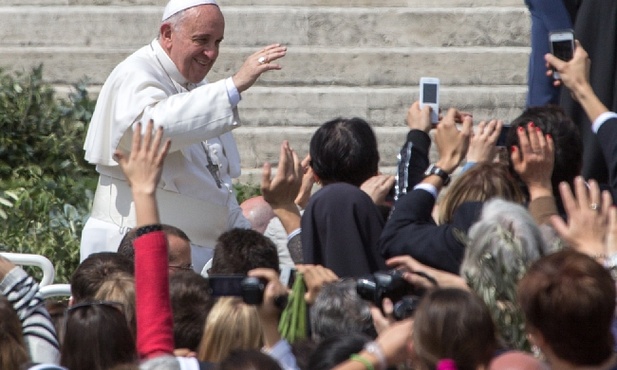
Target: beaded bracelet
[[367, 364], [148, 229]]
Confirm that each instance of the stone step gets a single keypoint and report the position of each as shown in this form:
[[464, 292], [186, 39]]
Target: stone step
[[311, 106], [305, 65], [285, 106], [324, 3], [98, 27]]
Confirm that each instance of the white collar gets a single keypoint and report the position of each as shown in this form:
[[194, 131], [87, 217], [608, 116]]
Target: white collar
[[168, 65]]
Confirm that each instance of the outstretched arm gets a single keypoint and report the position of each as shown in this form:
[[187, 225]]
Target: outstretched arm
[[142, 168], [575, 75]]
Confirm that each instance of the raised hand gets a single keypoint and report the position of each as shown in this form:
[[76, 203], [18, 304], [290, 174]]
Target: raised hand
[[534, 161], [482, 144], [258, 63], [588, 213], [452, 143]]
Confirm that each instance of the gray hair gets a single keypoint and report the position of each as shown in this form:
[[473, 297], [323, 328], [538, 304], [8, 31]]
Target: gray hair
[[338, 309], [505, 231], [502, 245]]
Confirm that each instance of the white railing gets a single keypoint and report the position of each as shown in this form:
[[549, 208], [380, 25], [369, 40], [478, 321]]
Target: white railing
[[56, 290], [34, 260]]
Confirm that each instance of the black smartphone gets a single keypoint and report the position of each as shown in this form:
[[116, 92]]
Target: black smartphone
[[503, 135], [562, 46]]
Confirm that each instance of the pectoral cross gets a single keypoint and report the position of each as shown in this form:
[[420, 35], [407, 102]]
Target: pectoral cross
[[213, 168]]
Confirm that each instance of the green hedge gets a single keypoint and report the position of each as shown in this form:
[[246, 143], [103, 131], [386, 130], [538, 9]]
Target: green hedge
[[46, 187]]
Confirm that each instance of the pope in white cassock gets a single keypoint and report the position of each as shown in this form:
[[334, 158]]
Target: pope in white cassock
[[165, 82]]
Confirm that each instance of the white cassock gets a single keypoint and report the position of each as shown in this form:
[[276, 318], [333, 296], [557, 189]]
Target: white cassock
[[197, 118]]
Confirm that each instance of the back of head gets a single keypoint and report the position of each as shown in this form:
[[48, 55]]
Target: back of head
[[120, 287], [344, 150], [127, 249], [338, 310], [249, 359], [240, 250], [258, 212], [231, 324], [566, 137], [97, 337], [570, 299], [190, 303], [478, 184], [444, 312], [13, 351], [94, 270], [336, 349], [502, 245]]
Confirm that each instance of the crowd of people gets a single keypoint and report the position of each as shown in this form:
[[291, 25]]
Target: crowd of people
[[513, 267]]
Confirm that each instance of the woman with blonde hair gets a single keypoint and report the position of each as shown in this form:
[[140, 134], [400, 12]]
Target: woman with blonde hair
[[478, 184], [231, 325], [120, 287]]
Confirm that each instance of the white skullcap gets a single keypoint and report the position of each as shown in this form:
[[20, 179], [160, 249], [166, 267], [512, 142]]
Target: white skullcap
[[175, 6]]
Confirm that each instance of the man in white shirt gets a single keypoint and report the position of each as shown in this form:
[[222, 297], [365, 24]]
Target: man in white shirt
[[165, 82]]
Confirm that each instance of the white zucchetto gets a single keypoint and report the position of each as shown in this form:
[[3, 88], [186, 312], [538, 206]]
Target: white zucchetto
[[175, 6]]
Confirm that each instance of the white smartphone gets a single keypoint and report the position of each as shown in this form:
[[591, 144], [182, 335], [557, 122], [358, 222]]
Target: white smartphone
[[429, 95], [562, 46]]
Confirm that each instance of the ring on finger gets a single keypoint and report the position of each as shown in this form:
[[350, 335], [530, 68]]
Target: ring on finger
[[262, 60], [594, 206]]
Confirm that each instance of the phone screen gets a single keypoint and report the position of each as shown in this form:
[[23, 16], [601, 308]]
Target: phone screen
[[429, 94], [503, 135], [228, 285], [563, 49]]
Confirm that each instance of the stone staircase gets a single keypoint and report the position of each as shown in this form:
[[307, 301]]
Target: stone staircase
[[345, 58]]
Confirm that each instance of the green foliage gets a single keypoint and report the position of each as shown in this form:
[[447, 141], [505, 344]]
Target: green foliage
[[246, 191], [45, 185]]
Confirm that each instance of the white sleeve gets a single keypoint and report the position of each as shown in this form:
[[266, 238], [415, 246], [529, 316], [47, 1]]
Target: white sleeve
[[281, 352]]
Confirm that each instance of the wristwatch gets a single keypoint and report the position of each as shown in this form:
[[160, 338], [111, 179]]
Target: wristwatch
[[434, 170]]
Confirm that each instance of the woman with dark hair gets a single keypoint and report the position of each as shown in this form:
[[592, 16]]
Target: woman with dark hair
[[341, 224], [453, 324], [97, 337]]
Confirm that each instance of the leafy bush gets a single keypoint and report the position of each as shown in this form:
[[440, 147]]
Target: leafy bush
[[45, 184]]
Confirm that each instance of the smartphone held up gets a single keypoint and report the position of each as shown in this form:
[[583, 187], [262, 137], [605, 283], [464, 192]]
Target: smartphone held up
[[429, 95], [562, 46]]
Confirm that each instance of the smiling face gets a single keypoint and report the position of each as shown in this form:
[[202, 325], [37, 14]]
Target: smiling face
[[193, 43]]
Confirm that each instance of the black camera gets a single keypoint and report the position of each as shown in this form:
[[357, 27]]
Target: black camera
[[251, 289], [390, 284]]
